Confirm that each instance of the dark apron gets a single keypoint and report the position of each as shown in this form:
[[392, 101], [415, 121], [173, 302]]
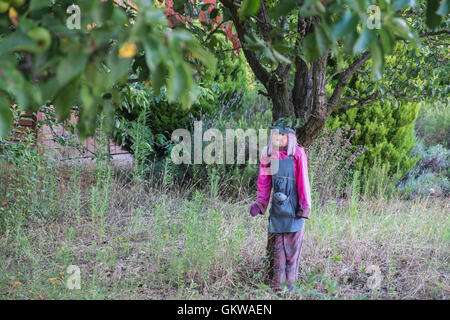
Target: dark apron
[[284, 198]]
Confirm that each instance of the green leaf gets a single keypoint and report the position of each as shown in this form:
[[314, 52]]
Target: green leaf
[[176, 38], [401, 27], [178, 6], [360, 5], [139, 62], [180, 82], [248, 8], [349, 41], [214, 13], [269, 54], [387, 40], [108, 110], [310, 8], [377, 59], [310, 47], [71, 67], [18, 41], [443, 8], [432, 18], [158, 78], [11, 80], [155, 17], [280, 57], [65, 100], [39, 4], [282, 8], [152, 53], [88, 112], [315, 44], [207, 58], [5, 117], [34, 96], [26, 95], [399, 4], [118, 66], [321, 39], [345, 26], [364, 40], [253, 42], [226, 14]]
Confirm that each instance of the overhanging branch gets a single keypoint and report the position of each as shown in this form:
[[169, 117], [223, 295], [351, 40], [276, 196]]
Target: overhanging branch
[[345, 77], [242, 29]]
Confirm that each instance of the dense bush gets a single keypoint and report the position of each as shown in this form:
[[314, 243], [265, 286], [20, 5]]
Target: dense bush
[[387, 133], [228, 82], [230, 180]]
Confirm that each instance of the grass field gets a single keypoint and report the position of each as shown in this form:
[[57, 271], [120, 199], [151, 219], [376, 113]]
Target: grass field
[[135, 240]]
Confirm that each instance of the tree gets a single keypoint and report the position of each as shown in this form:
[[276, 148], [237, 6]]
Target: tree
[[63, 54], [290, 45]]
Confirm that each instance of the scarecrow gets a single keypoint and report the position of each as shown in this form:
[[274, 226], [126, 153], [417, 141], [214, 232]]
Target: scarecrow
[[284, 169]]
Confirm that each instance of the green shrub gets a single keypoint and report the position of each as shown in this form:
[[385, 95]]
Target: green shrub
[[387, 133], [217, 88]]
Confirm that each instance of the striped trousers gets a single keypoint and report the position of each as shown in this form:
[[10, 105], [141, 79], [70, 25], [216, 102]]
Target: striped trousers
[[287, 253]]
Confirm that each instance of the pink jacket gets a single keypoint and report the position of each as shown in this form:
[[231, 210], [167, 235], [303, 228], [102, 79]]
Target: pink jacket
[[301, 177]]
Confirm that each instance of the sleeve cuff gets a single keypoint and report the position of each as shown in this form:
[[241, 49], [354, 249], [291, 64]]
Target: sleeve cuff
[[304, 213], [261, 206]]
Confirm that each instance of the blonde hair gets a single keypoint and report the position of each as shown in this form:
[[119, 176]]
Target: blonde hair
[[292, 144]]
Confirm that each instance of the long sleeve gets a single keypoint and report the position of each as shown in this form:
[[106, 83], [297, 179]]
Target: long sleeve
[[302, 179], [264, 182]]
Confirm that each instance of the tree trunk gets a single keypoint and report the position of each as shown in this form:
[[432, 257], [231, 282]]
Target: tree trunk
[[282, 105], [308, 102], [316, 117]]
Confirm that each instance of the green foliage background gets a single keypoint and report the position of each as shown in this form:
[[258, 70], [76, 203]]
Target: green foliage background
[[385, 130]]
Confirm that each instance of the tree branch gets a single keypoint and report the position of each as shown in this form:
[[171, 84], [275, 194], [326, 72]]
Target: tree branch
[[242, 29], [303, 83], [361, 102], [434, 33], [264, 22], [425, 34], [345, 77]]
